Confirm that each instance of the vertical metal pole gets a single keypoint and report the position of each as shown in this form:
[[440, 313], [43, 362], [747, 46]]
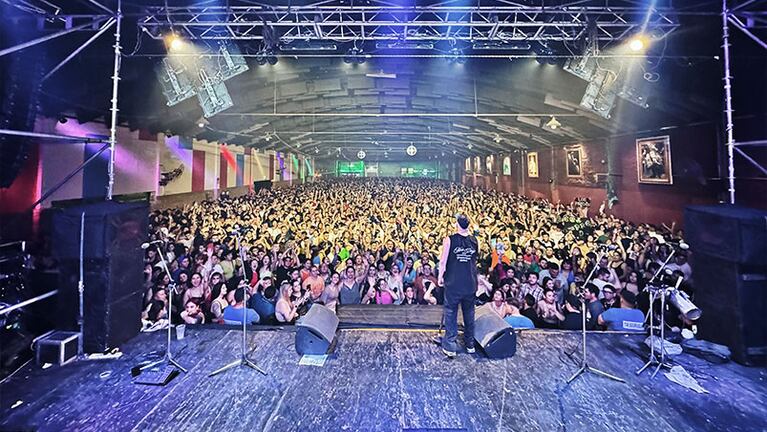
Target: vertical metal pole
[[81, 288], [115, 84], [728, 102]]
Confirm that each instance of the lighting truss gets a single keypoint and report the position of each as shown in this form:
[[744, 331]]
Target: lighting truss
[[335, 20]]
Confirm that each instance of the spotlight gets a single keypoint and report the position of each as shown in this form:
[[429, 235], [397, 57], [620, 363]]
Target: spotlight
[[266, 56], [456, 56], [411, 150], [544, 54], [638, 43], [553, 123], [174, 42], [361, 154], [354, 56]]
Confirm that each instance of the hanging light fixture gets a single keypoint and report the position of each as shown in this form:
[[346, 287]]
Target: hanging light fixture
[[553, 123], [411, 150]]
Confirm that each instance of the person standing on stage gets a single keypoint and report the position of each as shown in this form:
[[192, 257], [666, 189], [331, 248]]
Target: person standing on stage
[[458, 275]]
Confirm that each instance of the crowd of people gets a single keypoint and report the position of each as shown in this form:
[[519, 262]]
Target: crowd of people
[[269, 256]]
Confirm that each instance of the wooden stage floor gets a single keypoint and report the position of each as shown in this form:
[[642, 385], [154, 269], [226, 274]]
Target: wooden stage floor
[[386, 380]]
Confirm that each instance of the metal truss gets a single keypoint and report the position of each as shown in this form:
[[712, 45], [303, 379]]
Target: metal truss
[[749, 16], [336, 20]]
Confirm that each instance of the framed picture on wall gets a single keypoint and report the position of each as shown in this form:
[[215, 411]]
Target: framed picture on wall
[[654, 160], [532, 164], [574, 162], [507, 165]]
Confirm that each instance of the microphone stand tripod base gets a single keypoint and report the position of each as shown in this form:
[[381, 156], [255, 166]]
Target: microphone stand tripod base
[[244, 361], [654, 361], [586, 368]]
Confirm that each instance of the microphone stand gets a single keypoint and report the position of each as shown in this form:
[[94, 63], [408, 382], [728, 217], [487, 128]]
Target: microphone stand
[[244, 360], [653, 298], [168, 357], [653, 360], [584, 363]]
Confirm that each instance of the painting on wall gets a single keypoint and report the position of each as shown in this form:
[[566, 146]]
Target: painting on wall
[[654, 160], [507, 165], [574, 162], [532, 164]]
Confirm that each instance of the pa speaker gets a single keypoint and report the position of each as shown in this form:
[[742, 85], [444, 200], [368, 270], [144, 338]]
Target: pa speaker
[[316, 331], [732, 233], [112, 270], [494, 335], [733, 299]]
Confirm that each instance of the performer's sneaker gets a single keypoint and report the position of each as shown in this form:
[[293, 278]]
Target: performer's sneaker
[[471, 350], [449, 354]]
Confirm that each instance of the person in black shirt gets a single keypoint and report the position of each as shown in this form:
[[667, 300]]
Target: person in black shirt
[[528, 309], [573, 318], [458, 275]]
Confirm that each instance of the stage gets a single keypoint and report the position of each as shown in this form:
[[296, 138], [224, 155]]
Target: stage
[[384, 380]]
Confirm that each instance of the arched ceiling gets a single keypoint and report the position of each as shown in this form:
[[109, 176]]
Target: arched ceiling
[[490, 106]]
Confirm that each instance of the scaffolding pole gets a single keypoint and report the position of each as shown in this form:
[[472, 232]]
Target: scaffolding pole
[[113, 109], [21, 46], [728, 102]]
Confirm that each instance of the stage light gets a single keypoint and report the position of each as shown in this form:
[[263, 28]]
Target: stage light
[[174, 42], [456, 56], [361, 154], [354, 56], [266, 56], [544, 54], [200, 125], [553, 123], [411, 150], [638, 43]]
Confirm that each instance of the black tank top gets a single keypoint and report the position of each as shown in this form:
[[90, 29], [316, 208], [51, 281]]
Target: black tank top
[[461, 270]]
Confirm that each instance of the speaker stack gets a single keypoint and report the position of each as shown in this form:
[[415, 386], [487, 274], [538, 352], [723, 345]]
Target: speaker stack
[[113, 270], [729, 271]]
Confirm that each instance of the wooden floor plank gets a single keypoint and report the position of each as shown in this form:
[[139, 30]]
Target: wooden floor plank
[[384, 381]]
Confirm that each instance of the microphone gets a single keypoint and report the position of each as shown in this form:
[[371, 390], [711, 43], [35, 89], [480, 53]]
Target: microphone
[[147, 245]]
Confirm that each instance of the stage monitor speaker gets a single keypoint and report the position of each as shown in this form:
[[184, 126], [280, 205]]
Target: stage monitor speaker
[[733, 298], [736, 234], [316, 331], [113, 270], [494, 335]]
